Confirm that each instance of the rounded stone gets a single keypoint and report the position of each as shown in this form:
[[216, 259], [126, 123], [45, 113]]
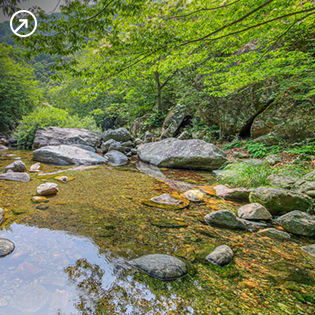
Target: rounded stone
[[47, 189], [194, 195], [254, 211], [221, 256], [6, 247], [224, 218], [163, 267]]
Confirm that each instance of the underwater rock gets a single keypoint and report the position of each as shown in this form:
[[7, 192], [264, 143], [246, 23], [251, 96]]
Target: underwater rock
[[47, 189], [254, 211], [163, 267], [35, 168], [63, 179], [38, 199], [224, 218], [310, 249], [253, 226], [6, 247], [166, 199], [17, 166], [271, 232], [194, 195], [298, 222], [186, 154], [2, 215], [18, 177], [168, 223], [116, 158], [221, 256]]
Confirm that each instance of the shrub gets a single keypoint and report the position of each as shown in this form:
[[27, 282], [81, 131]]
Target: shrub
[[260, 150], [49, 116], [242, 174]]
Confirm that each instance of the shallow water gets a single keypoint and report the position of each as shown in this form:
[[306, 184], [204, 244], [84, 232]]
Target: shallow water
[[72, 258]]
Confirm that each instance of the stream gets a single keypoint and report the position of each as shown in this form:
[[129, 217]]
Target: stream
[[71, 254]]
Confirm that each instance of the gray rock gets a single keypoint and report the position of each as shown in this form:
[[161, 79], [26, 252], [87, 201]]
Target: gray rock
[[35, 168], [221, 256], [18, 177], [253, 226], [116, 158], [187, 154], [304, 186], [117, 146], [166, 199], [309, 176], [309, 249], [63, 179], [17, 166], [6, 247], [47, 189], [138, 141], [280, 201], [120, 134], [2, 215], [254, 162], [273, 159], [282, 181], [271, 232], [254, 211], [134, 151], [147, 137], [232, 194], [65, 136], [66, 154], [240, 155], [128, 144], [3, 141], [163, 267], [298, 222], [13, 142], [30, 298], [105, 145], [3, 148], [84, 147], [224, 218]]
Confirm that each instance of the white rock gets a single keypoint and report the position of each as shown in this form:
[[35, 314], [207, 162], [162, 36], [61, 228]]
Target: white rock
[[47, 189]]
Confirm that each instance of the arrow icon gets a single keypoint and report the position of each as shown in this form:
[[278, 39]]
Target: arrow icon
[[24, 22]]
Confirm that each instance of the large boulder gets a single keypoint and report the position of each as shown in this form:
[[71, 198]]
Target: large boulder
[[163, 267], [69, 136], [116, 158], [187, 154], [298, 222], [65, 155], [280, 201], [120, 134]]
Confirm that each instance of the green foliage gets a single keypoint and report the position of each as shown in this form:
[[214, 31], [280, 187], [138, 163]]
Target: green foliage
[[305, 151], [18, 91], [260, 150], [155, 119], [98, 116], [236, 143], [243, 174], [49, 116]]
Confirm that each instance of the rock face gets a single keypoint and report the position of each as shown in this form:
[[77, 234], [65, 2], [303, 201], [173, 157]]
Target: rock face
[[280, 201], [298, 222], [17, 166], [163, 267], [2, 215], [120, 134], [188, 154], [271, 232], [18, 177], [58, 136], [116, 158], [221, 256], [254, 211], [232, 194], [65, 155], [6, 247], [305, 187], [224, 218], [47, 189]]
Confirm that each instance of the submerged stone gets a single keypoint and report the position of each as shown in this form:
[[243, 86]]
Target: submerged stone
[[39, 199], [166, 199], [6, 247], [194, 195], [309, 249], [63, 179], [274, 233], [47, 189], [168, 223], [163, 267], [253, 226], [221, 256], [14, 176], [224, 218], [2, 215]]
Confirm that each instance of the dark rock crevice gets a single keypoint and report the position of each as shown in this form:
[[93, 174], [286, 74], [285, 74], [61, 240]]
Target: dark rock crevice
[[185, 122]]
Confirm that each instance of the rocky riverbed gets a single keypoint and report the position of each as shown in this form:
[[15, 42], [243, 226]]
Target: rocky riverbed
[[76, 250]]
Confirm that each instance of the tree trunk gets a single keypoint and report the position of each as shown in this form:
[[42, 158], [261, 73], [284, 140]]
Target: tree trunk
[[159, 91]]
